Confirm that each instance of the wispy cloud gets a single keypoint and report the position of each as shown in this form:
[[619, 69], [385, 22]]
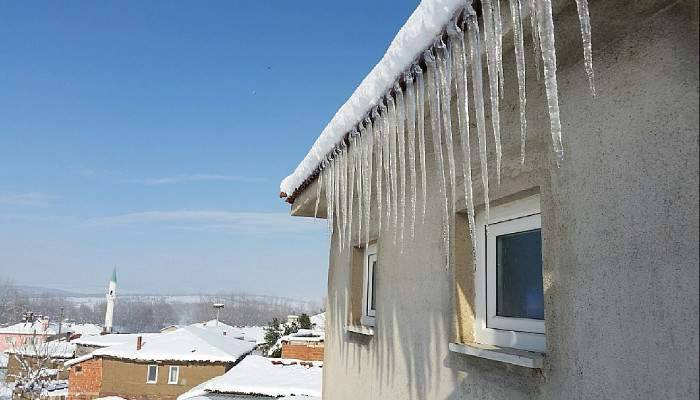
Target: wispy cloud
[[26, 199], [211, 220], [196, 178]]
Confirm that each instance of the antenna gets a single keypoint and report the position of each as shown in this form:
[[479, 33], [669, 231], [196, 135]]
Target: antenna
[[218, 307]]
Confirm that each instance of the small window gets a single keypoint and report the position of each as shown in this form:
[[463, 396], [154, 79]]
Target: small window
[[152, 375], [509, 290], [78, 369], [173, 375], [369, 301]]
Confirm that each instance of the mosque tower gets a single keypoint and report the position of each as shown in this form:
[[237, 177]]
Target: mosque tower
[[111, 296]]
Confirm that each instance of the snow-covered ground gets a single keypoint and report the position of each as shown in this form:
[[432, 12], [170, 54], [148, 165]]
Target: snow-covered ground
[[5, 388]]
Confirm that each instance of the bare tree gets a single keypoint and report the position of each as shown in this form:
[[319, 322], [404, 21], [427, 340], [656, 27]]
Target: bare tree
[[34, 366]]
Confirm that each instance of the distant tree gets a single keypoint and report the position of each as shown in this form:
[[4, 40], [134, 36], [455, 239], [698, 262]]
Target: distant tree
[[304, 321], [272, 334]]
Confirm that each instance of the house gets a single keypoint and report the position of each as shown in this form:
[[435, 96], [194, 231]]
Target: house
[[470, 261], [255, 334], [46, 359], [35, 331], [161, 366], [305, 344], [260, 378]]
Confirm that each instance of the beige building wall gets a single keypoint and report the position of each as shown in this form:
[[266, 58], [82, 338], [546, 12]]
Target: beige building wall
[[128, 379], [619, 226]]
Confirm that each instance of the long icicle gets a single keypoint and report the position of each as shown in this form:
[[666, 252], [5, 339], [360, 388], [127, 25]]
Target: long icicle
[[434, 102], [336, 201], [379, 169], [516, 15], [368, 181], [330, 196], [358, 183], [478, 96], [401, 157], [351, 185], [545, 25], [444, 72], [420, 117], [459, 62], [411, 124], [492, 67], [386, 159], [319, 185], [393, 156], [532, 7], [585, 20], [498, 33], [344, 192]]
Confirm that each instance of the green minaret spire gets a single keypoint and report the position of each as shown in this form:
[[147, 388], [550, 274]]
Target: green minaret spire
[[114, 275]]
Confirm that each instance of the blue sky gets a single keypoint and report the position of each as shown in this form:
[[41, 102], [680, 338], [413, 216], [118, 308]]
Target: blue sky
[[153, 136]]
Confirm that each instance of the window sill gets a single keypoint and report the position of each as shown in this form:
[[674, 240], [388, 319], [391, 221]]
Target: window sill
[[360, 329], [523, 358]]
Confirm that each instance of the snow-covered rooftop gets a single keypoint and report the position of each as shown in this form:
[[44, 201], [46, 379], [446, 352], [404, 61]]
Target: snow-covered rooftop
[[319, 321], [30, 328], [185, 344], [82, 329], [418, 33], [53, 349], [256, 375], [111, 339], [254, 334]]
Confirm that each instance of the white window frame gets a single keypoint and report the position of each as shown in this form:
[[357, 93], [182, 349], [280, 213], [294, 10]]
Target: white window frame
[[148, 374], [172, 368], [520, 333], [370, 257]]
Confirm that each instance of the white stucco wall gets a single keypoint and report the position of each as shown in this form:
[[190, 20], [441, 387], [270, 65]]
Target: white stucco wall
[[620, 236]]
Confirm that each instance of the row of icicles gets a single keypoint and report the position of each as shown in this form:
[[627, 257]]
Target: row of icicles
[[396, 127]]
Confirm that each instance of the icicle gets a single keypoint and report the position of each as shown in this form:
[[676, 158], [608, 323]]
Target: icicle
[[379, 168], [535, 36], [344, 193], [411, 124], [498, 33], [478, 96], [516, 14], [360, 185], [445, 81], [545, 26], [434, 102], [336, 193], [459, 62], [585, 20], [352, 154], [319, 183], [393, 153], [492, 67], [330, 195], [420, 118], [386, 159], [401, 135], [368, 182]]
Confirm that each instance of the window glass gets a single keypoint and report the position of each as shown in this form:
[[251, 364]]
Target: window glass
[[174, 371], [373, 300], [152, 373], [519, 290]]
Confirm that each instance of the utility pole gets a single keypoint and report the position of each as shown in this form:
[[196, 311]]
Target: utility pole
[[60, 322]]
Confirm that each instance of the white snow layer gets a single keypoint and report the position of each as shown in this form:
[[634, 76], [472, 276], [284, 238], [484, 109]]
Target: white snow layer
[[111, 339], [256, 375], [419, 32], [185, 344]]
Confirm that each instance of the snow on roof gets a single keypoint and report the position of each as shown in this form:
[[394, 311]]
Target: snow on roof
[[77, 360], [319, 321], [30, 328], [82, 329], [254, 334], [305, 335], [185, 344], [256, 375], [111, 339], [53, 349], [419, 32]]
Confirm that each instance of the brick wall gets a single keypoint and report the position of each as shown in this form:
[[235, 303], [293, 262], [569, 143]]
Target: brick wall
[[306, 352], [85, 380]]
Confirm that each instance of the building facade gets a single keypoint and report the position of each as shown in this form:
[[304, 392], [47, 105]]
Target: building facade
[[605, 247]]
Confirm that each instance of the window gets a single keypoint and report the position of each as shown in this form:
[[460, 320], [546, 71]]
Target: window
[[152, 374], [369, 298], [509, 284], [173, 374]]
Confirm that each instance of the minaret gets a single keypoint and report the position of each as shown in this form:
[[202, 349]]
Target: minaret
[[111, 296]]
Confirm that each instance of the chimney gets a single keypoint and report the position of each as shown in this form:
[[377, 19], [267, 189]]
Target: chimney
[[224, 333], [139, 342]]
